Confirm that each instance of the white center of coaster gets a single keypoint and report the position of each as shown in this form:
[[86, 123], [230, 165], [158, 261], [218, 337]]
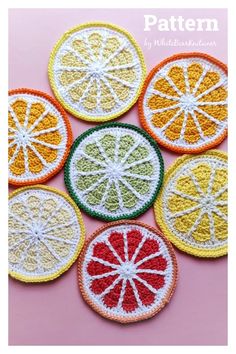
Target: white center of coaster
[[208, 202], [114, 170], [127, 270], [96, 69], [188, 102], [37, 232], [23, 137]]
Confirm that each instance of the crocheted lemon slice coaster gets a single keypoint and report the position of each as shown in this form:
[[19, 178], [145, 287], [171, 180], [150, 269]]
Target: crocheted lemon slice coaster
[[127, 271], [192, 206], [96, 71], [46, 233], [183, 105], [114, 171], [39, 136]]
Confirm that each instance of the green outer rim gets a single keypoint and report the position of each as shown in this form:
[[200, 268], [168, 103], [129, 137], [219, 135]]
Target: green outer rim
[[95, 213]]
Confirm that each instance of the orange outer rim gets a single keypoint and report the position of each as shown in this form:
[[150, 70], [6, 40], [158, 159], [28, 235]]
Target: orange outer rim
[[164, 301], [68, 130], [141, 98]]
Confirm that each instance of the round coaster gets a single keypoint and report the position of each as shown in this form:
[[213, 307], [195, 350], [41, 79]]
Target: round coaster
[[127, 271], [46, 233], [39, 135], [114, 171], [96, 71], [183, 105], [191, 208]]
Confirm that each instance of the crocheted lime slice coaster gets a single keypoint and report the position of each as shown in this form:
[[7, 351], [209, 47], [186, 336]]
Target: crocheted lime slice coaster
[[192, 206], [114, 171], [183, 105], [46, 233], [96, 71], [127, 271], [39, 135]]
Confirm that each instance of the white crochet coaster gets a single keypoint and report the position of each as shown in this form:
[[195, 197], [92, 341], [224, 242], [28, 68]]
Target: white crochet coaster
[[46, 233]]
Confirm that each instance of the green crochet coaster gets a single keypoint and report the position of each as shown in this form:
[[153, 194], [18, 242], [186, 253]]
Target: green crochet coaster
[[114, 171]]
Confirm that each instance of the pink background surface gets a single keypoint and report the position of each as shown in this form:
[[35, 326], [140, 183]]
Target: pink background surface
[[54, 313]]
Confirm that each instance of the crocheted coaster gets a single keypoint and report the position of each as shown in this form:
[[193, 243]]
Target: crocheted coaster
[[114, 171], [183, 105], [127, 271], [39, 135], [96, 71], [46, 233], [192, 206]]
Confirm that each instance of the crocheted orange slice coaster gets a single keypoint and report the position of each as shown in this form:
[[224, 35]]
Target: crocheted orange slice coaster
[[183, 105], [46, 233], [96, 71], [127, 271], [39, 137], [192, 206]]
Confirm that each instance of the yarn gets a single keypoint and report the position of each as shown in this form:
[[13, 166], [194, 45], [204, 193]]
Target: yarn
[[96, 70], [127, 271]]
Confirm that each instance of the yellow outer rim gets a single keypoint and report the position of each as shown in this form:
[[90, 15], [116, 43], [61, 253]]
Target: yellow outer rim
[[159, 215], [51, 74], [56, 274]]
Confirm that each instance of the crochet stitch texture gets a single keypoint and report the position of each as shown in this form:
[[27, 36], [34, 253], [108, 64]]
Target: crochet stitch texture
[[46, 233], [96, 71], [114, 171], [183, 105], [191, 208], [127, 271], [39, 137]]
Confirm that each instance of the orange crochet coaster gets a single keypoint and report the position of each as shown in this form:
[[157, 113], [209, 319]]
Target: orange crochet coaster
[[39, 137], [183, 105], [127, 271]]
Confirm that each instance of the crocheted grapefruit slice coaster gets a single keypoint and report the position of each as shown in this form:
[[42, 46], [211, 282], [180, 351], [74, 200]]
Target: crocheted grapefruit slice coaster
[[127, 271], [39, 136], [96, 71], [114, 171], [183, 105], [191, 208], [46, 233]]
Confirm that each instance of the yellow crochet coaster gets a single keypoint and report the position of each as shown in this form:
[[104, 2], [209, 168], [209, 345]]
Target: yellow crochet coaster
[[192, 206], [96, 71], [46, 233]]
